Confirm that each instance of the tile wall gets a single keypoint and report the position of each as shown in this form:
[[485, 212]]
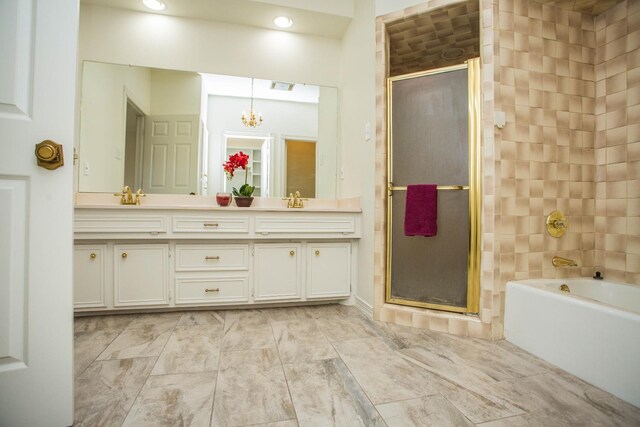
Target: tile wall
[[544, 81], [617, 143]]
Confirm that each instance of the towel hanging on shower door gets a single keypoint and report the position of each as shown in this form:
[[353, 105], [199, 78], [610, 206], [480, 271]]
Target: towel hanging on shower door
[[421, 210]]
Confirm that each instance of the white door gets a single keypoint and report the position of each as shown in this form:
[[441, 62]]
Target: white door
[[38, 41], [170, 154]]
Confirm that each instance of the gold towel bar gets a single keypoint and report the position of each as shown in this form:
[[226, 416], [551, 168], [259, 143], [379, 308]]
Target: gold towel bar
[[439, 187]]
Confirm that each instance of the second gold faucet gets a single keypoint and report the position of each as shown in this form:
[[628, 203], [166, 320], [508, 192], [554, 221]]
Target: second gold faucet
[[294, 200], [128, 198]]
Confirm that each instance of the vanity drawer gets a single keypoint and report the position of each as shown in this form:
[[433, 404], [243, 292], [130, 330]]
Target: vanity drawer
[[119, 223], [210, 224], [305, 224], [212, 289], [212, 257]]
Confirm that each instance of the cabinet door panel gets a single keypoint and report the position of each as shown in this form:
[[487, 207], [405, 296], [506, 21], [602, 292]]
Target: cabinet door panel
[[277, 271], [141, 275], [89, 276], [328, 270]]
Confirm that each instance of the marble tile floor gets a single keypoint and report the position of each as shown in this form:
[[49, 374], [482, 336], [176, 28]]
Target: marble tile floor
[[316, 366]]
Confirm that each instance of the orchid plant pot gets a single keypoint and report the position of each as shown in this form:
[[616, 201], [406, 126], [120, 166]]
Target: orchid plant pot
[[243, 202]]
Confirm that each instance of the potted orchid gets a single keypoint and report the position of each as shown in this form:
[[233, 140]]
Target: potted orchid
[[243, 196]]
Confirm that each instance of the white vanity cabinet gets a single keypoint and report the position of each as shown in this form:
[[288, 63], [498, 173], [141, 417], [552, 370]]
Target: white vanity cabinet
[[89, 276], [328, 270], [277, 271], [155, 258], [141, 275]]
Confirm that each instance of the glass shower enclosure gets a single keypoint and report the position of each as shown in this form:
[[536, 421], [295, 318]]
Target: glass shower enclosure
[[433, 138]]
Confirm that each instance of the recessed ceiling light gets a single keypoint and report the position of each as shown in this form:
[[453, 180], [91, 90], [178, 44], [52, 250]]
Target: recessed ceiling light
[[154, 4], [283, 21]]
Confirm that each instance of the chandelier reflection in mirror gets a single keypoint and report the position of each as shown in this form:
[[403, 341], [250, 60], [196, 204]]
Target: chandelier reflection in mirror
[[252, 120]]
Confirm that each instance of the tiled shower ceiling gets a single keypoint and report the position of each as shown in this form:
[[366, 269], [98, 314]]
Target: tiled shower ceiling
[[592, 7], [417, 43]]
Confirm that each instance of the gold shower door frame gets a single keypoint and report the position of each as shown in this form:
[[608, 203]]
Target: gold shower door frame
[[473, 273]]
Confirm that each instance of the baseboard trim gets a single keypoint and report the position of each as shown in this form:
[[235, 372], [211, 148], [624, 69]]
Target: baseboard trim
[[364, 307]]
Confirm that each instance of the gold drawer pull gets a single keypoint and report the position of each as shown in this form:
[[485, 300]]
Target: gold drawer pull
[[292, 253], [212, 257], [93, 255], [124, 255], [210, 224], [212, 290], [317, 252]]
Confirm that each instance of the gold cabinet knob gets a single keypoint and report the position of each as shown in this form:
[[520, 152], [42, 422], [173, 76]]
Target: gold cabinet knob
[[124, 255], [292, 253], [317, 252], [49, 155], [92, 256]]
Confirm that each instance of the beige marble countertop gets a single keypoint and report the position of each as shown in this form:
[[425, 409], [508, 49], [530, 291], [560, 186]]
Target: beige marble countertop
[[187, 202]]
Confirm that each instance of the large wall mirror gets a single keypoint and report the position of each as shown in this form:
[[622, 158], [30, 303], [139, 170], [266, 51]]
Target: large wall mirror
[[169, 131]]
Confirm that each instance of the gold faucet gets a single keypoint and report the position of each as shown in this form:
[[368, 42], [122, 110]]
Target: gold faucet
[[558, 261], [294, 200], [127, 197]]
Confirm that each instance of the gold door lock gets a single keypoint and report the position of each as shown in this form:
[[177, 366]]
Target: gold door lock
[[49, 154]]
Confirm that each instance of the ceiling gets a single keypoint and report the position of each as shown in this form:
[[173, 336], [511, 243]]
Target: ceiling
[[222, 85], [419, 42], [592, 7], [324, 18]]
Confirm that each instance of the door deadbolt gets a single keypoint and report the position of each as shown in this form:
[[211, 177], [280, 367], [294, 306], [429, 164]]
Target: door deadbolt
[[49, 155]]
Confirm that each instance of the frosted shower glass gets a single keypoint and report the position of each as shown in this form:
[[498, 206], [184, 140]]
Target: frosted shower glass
[[430, 145]]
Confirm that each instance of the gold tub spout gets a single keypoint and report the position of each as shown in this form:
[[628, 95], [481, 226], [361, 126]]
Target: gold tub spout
[[558, 261]]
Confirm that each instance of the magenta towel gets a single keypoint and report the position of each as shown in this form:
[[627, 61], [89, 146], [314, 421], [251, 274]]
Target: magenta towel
[[421, 210]]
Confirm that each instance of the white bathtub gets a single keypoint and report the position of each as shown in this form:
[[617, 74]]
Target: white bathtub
[[592, 332]]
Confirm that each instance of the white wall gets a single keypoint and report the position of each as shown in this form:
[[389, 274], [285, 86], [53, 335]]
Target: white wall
[[103, 100], [153, 40], [175, 92], [328, 138], [387, 6], [357, 107], [281, 118]]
